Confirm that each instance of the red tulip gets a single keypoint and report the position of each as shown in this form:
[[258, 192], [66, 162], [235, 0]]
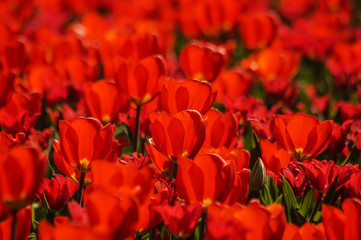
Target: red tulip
[[250, 222], [274, 157], [176, 96], [295, 177], [352, 188], [295, 9], [179, 135], [56, 191], [222, 129], [206, 179], [48, 83], [221, 224], [209, 18], [21, 112], [240, 159], [123, 180], [139, 80], [321, 174], [263, 128], [7, 141], [22, 170], [180, 219], [113, 215], [285, 91], [82, 141], [202, 61], [306, 232], [258, 28], [118, 45], [273, 63], [23, 225], [68, 231], [302, 136], [233, 83], [343, 224], [104, 101], [149, 218], [338, 138], [160, 161]]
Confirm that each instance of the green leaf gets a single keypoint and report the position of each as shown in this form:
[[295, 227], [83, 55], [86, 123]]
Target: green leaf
[[32, 236], [350, 153], [330, 196], [307, 202], [255, 149], [292, 208], [298, 218], [317, 217], [273, 189], [279, 199], [265, 195]]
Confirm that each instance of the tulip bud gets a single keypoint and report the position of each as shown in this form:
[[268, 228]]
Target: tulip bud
[[258, 175]]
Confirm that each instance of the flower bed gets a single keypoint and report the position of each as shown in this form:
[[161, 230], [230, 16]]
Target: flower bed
[[178, 119]]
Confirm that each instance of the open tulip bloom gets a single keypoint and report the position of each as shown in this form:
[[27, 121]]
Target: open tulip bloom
[[180, 120]]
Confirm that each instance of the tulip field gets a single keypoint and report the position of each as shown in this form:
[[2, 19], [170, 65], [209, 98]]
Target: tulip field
[[180, 119]]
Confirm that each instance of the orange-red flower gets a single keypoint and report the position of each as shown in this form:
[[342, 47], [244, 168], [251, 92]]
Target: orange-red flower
[[105, 216], [21, 112], [139, 80], [22, 169], [321, 174], [47, 231], [343, 224], [23, 225], [56, 192], [176, 96], [7, 141], [240, 159], [104, 101], [232, 83], [273, 63], [306, 232], [118, 45], [123, 179], [48, 83], [295, 177], [180, 135], [250, 222], [206, 179], [180, 219], [302, 136], [258, 28], [111, 214], [208, 17], [274, 157], [202, 61], [222, 129], [82, 141]]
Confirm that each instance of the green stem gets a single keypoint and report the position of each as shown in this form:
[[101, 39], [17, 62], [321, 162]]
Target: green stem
[[317, 206], [136, 130], [202, 226], [152, 234], [79, 197], [14, 225], [175, 170]]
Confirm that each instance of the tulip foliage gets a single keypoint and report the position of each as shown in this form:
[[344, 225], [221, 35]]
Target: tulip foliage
[[179, 119]]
